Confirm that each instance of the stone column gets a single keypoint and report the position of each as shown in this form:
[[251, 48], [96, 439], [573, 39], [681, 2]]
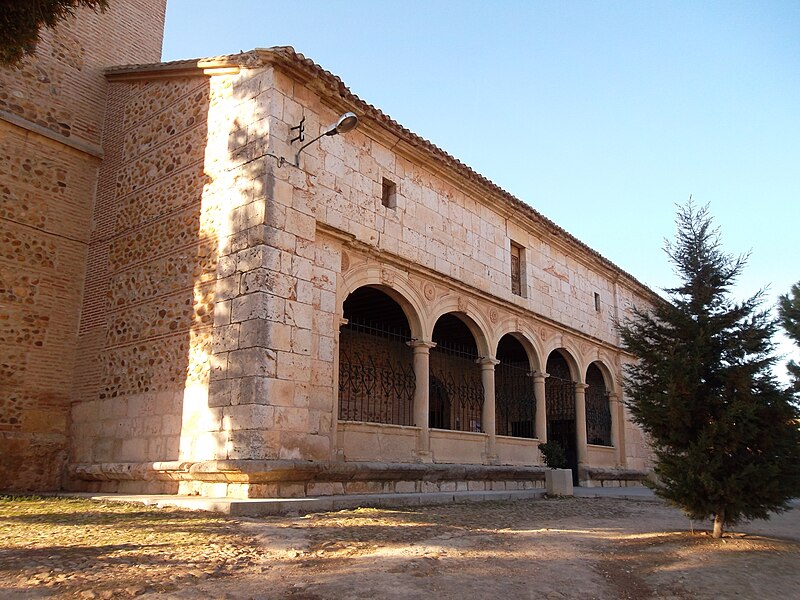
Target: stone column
[[422, 353], [541, 406], [613, 407], [337, 444], [488, 417], [580, 423]]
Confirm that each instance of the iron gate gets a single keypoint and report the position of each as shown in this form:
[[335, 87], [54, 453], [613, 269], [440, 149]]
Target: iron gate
[[598, 416], [515, 401], [456, 390], [376, 375]]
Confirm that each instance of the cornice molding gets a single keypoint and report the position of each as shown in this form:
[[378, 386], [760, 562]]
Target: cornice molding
[[404, 265]]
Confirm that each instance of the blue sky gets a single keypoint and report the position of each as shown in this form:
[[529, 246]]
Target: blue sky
[[601, 115]]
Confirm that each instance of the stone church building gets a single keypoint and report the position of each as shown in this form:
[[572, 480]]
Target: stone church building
[[191, 304]]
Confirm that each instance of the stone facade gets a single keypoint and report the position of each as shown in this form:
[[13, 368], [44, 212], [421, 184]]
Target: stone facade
[[219, 272], [203, 307], [51, 124]]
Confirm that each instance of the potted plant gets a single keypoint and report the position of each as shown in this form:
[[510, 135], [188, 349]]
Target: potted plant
[[558, 479]]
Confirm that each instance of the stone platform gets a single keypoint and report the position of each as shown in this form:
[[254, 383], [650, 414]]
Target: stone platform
[[257, 507]]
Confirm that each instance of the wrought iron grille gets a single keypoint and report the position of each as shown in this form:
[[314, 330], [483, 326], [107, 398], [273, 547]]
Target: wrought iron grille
[[515, 401], [598, 416], [376, 375], [560, 398], [456, 390]]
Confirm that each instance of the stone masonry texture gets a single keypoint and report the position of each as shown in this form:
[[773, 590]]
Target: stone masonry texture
[[51, 123], [172, 288]]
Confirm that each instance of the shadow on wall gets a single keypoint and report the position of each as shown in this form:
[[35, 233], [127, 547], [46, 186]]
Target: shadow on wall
[[149, 304], [45, 208], [250, 296]]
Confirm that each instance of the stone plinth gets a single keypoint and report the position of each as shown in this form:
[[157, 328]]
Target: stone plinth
[[558, 482]]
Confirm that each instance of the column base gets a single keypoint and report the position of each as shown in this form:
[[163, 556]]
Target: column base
[[490, 459], [424, 457]]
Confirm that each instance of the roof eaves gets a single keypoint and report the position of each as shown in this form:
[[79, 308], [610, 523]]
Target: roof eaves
[[195, 66]]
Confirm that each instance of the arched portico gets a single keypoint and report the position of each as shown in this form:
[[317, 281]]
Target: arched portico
[[376, 371]]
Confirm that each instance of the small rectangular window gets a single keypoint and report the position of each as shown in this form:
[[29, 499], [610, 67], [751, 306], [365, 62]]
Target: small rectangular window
[[597, 302], [516, 269], [389, 193]]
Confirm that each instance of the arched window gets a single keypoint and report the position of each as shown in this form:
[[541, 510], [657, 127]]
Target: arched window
[[376, 373], [598, 411], [456, 390]]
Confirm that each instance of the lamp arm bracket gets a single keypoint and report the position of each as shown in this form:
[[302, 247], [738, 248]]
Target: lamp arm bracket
[[306, 145]]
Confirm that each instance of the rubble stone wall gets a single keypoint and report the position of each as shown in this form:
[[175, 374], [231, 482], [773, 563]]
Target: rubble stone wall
[[51, 116], [145, 331], [62, 87]]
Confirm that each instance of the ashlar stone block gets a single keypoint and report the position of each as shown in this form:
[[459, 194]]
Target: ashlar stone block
[[558, 482], [248, 416], [256, 361], [252, 444], [258, 305]]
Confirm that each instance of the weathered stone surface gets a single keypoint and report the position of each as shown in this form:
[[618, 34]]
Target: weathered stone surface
[[51, 122], [558, 482], [216, 276]]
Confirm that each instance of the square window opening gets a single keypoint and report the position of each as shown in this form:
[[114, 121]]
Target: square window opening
[[389, 193]]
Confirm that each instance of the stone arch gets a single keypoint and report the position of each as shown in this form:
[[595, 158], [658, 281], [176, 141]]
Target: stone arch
[[472, 318], [607, 372], [456, 394], [391, 282], [524, 336], [376, 371], [569, 356]]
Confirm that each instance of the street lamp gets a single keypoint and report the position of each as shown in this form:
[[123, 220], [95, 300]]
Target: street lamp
[[347, 122]]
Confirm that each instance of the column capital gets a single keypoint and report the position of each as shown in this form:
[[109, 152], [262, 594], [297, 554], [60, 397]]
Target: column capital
[[613, 397], [418, 345], [343, 321], [581, 387], [487, 362], [539, 375]]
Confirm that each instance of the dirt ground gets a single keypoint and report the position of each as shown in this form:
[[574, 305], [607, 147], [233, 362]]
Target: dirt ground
[[548, 548]]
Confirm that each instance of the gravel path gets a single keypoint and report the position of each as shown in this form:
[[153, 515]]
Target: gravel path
[[583, 548]]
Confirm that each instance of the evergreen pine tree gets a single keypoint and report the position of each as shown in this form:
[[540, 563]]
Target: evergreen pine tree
[[789, 311], [724, 433]]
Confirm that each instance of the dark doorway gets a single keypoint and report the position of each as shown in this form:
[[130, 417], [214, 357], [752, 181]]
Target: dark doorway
[[560, 402], [598, 410]]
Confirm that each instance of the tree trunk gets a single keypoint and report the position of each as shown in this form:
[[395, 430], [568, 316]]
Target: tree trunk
[[719, 520]]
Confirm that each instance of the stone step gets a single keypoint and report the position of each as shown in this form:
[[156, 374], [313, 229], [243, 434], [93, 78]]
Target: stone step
[[257, 507]]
